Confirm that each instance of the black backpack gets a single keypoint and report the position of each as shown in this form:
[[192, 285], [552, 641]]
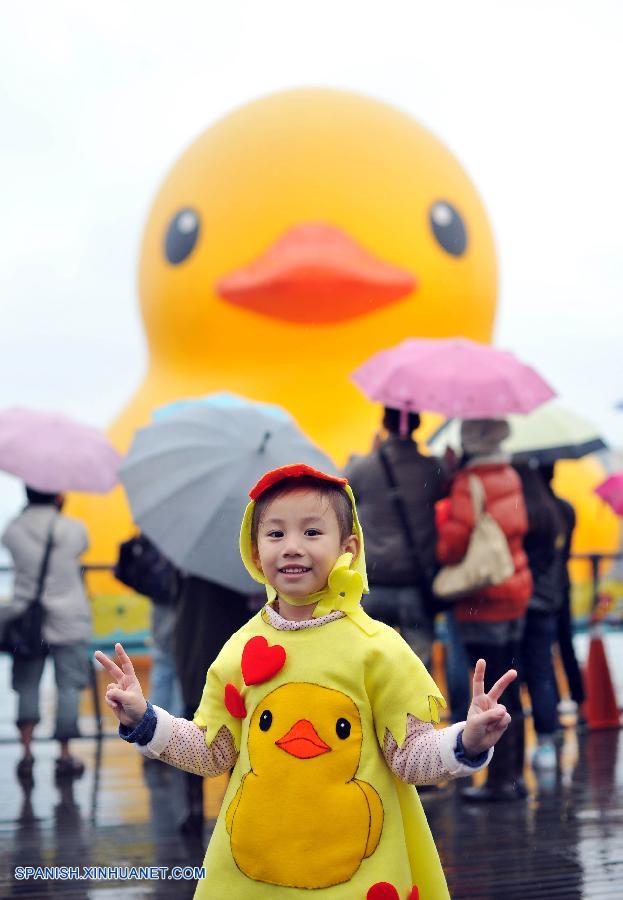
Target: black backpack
[[143, 568]]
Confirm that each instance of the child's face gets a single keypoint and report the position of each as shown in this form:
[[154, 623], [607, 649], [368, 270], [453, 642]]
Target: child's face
[[298, 543]]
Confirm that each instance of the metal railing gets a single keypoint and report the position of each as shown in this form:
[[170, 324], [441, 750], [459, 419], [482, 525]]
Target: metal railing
[[595, 560]]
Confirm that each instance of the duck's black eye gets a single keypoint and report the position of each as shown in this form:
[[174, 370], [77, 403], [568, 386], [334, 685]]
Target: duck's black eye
[[182, 235], [342, 728], [448, 227], [266, 720]]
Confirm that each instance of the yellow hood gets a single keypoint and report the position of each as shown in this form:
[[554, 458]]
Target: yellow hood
[[348, 579]]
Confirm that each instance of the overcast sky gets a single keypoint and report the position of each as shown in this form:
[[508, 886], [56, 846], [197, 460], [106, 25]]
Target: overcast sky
[[98, 100]]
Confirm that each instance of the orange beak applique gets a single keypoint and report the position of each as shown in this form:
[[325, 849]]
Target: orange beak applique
[[303, 741], [316, 273]]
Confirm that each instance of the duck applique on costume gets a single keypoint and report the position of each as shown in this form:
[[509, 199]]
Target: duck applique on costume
[[304, 749]]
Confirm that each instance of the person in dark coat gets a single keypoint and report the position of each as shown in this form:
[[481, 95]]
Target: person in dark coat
[[564, 625], [400, 575], [548, 534], [207, 616]]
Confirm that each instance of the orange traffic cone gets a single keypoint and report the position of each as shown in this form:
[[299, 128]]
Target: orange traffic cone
[[600, 707]]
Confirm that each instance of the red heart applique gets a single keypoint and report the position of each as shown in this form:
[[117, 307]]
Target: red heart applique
[[260, 662], [234, 702], [415, 893], [382, 890]]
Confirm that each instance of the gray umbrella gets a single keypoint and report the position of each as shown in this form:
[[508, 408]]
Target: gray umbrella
[[188, 473]]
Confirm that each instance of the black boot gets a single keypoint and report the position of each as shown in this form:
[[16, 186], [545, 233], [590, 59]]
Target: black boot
[[501, 784]]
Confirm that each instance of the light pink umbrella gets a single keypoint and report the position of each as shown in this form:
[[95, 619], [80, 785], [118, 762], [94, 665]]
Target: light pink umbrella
[[453, 376], [54, 454], [611, 490]]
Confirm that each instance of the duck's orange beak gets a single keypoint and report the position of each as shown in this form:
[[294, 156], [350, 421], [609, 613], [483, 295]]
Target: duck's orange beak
[[303, 741], [315, 273]]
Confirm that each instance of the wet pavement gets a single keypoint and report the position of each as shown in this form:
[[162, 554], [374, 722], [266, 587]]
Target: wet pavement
[[565, 841]]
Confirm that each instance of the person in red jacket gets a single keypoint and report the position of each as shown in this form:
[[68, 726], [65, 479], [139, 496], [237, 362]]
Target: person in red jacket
[[490, 622]]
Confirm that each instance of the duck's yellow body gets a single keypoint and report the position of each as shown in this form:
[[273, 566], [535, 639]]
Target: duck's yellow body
[[300, 789]]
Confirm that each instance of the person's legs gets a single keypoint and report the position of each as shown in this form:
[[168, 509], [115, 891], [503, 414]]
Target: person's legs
[[505, 770], [27, 674], [417, 627], [567, 653], [192, 824], [457, 671], [538, 671], [71, 673], [206, 617], [164, 689]]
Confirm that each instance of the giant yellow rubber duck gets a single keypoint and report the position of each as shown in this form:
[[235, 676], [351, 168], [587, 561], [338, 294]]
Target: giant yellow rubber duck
[[304, 746], [291, 240]]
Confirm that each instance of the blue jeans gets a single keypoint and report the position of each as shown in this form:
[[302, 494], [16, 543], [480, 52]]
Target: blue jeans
[[537, 669], [567, 652], [165, 689], [71, 671], [457, 671]]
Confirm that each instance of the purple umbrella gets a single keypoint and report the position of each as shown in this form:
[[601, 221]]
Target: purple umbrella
[[54, 454], [453, 376]]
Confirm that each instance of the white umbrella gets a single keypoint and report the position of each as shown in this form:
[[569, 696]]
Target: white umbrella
[[549, 433]]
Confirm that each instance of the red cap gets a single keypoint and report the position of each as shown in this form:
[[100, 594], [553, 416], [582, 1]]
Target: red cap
[[294, 471]]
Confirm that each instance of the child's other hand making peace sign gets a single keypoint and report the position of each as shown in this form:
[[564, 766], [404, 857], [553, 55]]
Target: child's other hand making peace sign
[[487, 720], [125, 696]]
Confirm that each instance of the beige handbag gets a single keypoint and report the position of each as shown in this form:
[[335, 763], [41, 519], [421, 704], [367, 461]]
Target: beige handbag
[[488, 559]]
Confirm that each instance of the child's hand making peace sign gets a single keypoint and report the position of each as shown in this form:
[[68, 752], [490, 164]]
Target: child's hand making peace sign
[[487, 720], [125, 697]]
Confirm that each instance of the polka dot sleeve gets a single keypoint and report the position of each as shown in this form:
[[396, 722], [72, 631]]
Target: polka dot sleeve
[[182, 744], [427, 754]]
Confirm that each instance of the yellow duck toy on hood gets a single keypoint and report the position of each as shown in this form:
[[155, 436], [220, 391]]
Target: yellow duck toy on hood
[[312, 808]]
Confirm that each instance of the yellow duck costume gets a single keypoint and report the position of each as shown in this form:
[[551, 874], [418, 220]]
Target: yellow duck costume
[[312, 808]]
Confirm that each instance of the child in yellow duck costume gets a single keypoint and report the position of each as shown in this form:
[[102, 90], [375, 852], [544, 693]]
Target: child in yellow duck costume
[[324, 714]]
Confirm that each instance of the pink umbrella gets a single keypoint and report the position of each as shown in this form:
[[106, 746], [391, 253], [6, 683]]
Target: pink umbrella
[[453, 376], [611, 490], [53, 453]]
